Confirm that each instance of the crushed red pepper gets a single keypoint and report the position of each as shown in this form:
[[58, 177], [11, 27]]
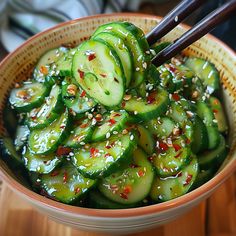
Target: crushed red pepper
[[84, 125], [54, 173], [127, 189], [63, 151], [177, 147], [65, 177], [188, 179], [151, 98], [91, 56], [93, 152], [163, 146], [81, 73], [178, 155], [124, 196], [83, 94], [176, 97], [111, 122]]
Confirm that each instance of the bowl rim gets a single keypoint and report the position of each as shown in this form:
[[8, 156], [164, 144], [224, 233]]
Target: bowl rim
[[119, 213]]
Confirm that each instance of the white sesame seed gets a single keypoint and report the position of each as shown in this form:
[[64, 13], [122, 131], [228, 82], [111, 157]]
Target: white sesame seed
[[137, 69], [176, 18], [82, 143], [131, 137], [108, 28], [71, 154], [147, 52], [115, 132], [135, 112], [108, 135], [215, 121], [145, 65]]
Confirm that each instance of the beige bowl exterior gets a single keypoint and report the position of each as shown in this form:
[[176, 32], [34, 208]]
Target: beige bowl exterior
[[17, 67]]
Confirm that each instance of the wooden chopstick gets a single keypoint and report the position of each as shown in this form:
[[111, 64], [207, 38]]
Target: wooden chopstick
[[173, 18], [203, 27]]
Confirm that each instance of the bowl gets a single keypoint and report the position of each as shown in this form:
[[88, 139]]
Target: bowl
[[18, 66]]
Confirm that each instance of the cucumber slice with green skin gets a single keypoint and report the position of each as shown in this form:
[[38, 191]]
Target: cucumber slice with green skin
[[101, 159], [206, 114], [112, 123], [153, 76], [164, 189], [22, 133], [66, 184], [46, 140], [213, 158], [219, 114], [80, 135], [10, 120], [145, 140], [44, 115], [160, 46], [166, 79], [75, 98], [98, 201], [170, 160], [206, 71], [135, 40], [162, 127], [155, 105], [9, 153], [203, 176], [64, 63], [130, 185], [98, 70], [46, 64], [200, 136], [177, 113], [42, 164], [29, 96], [122, 51]]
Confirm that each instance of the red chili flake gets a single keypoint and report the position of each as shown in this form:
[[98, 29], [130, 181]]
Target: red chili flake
[[172, 69], [54, 173], [91, 56], [103, 75], [83, 94], [83, 125], [188, 179], [124, 196], [77, 190], [177, 147], [150, 158], [43, 70], [93, 152], [179, 174], [116, 114], [140, 173], [107, 155], [123, 104], [188, 141], [34, 117], [176, 97], [110, 146], [216, 102], [215, 111], [151, 98], [163, 146], [62, 126], [112, 122], [178, 155], [65, 177], [63, 151], [127, 189], [81, 73]]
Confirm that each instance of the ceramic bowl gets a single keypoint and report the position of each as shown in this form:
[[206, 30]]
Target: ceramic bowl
[[17, 67]]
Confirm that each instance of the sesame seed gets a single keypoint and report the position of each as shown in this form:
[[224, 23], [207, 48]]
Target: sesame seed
[[145, 65], [135, 112], [82, 143], [147, 52], [71, 154], [115, 132], [131, 137], [215, 121], [176, 18], [137, 69], [108, 135]]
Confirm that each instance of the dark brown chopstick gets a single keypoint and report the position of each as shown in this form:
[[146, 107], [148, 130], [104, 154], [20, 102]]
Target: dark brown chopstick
[[203, 27], [173, 18]]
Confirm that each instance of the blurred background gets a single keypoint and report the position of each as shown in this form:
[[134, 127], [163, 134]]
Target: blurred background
[[20, 19]]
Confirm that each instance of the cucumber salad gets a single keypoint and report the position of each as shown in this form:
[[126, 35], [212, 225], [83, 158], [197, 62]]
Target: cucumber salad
[[100, 126]]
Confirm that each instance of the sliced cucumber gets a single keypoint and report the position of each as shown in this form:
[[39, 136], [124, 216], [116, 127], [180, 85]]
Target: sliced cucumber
[[160, 46], [41, 164], [46, 64], [29, 96], [155, 105], [101, 159], [75, 98], [135, 40], [132, 184], [164, 189], [99, 201], [22, 133], [113, 122], [161, 127], [44, 115], [80, 135], [219, 114], [206, 71], [166, 79], [203, 176], [153, 76], [200, 136], [206, 114], [66, 184], [10, 120], [64, 63], [171, 159], [98, 70], [9, 153], [213, 158], [122, 51], [46, 140], [145, 141]]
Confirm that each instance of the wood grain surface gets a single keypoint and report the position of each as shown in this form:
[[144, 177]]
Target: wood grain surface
[[213, 217]]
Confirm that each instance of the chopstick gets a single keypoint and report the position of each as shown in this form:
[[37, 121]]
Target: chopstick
[[173, 18], [199, 30]]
